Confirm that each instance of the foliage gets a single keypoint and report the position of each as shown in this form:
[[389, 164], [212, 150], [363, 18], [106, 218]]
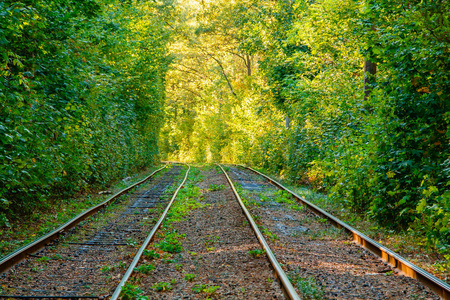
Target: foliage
[[152, 254], [81, 92], [189, 277], [144, 269], [170, 243], [205, 288], [279, 85], [164, 286], [307, 287], [132, 292], [216, 187], [256, 253]]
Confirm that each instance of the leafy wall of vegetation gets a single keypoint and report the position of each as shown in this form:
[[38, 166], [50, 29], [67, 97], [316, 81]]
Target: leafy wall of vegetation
[[81, 95], [279, 84]]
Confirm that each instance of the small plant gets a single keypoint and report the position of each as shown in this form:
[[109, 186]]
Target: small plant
[[171, 243], [308, 287], [204, 288], [57, 256], [256, 253], [151, 254], [269, 280], [211, 289], [284, 197], [212, 240], [322, 220], [131, 292], [272, 236], [44, 259], [214, 187], [131, 243], [163, 286], [37, 269], [192, 253], [179, 267], [257, 218], [210, 248], [297, 207], [144, 269], [106, 269], [189, 277]]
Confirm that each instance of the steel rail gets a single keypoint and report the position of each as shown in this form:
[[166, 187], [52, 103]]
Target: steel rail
[[392, 258], [138, 255], [16, 256], [285, 283]]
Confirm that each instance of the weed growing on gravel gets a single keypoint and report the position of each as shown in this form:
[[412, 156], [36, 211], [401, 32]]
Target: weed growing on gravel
[[211, 240], [164, 286], [308, 287], [250, 202], [151, 254], [44, 259], [170, 243], [205, 288], [284, 197], [38, 269], [256, 253], [216, 187], [189, 277], [131, 243], [272, 236], [297, 207], [56, 256], [132, 292], [144, 269], [106, 269], [179, 267]]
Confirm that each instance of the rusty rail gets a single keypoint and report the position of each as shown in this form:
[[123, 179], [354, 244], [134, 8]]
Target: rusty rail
[[288, 289], [15, 257], [395, 260]]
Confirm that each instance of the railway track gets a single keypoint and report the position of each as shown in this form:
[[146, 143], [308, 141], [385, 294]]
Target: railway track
[[283, 212], [230, 234], [91, 258], [213, 257]]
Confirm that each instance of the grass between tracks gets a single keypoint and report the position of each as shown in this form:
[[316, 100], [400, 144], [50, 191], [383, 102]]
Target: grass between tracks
[[22, 232], [167, 246], [408, 244]]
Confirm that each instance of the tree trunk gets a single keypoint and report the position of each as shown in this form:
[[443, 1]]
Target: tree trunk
[[370, 71], [249, 65]]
